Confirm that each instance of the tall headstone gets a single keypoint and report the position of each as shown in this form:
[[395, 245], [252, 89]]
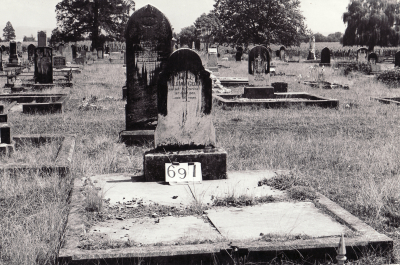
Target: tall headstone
[[31, 52], [148, 45], [100, 54], [282, 54], [13, 58], [259, 66], [311, 51], [42, 41], [212, 63], [74, 52], [184, 104], [61, 49], [44, 65], [325, 56], [362, 54], [1, 59], [19, 48], [239, 53], [397, 59]]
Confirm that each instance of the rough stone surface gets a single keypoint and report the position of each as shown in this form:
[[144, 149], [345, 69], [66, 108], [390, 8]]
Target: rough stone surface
[[280, 219], [148, 44], [259, 66], [362, 55], [213, 162], [44, 65], [184, 104]]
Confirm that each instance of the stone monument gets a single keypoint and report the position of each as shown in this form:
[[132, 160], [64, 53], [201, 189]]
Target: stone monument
[[74, 52], [43, 65], [31, 52], [59, 62], [311, 51], [373, 58], [1, 59], [148, 45], [185, 132], [397, 59], [239, 53], [212, 63], [325, 57], [13, 58], [100, 53], [362, 54], [42, 41], [282, 54]]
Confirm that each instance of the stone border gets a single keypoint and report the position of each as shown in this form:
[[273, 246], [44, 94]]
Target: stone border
[[309, 100], [63, 160], [366, 238], [56, 104], [388, 100]]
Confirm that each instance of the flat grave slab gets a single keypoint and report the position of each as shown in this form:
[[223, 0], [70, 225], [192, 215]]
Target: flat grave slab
[[233, 81], [281, 100], [36, 103], [395, 100]]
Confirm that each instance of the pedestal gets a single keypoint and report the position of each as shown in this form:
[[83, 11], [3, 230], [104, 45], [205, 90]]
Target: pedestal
[[259, 92], [213, 162]]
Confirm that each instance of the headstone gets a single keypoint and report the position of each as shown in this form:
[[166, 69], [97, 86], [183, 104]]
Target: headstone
[[212, 64], [5, 134], [61, 49], [107, 50], [73, 48], [19, 47], [325, 56], [13, 59], [31, 52], [59, 62], [282, 55], [311, 52], [42, 39], [373, 58], [1, 59], [362, 55], [184, 104], [43, 65], [100, 54], [239, 53], [259, 66], [148, 41], [397, 59]]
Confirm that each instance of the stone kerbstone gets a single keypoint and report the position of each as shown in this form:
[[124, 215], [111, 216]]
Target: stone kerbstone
[[258, 92]]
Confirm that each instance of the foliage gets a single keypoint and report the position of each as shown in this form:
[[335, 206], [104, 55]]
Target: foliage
[[187, 36], [390, 77], [78, 18], [212, 26], [8, 32], [334, 37], [261, 21], [372, 23], [283, 181], [31, 38], [347, 68], [302, 193]]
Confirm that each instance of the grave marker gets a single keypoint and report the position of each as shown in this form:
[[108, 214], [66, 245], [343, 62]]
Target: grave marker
[[311, 52], [148, 44], [259, 66], [42, 39], [31, 52], [397, 59], [43, 65], [282, 55], [61, 49], [100, 54], [13, 58], [73, 48], [59, 62], [239, 53], [1, 60], [362, 55], [212, 63], [325, 56], [373, 58]]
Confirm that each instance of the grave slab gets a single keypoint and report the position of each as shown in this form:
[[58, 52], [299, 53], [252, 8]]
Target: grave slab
[[280, 219], [168, 230]]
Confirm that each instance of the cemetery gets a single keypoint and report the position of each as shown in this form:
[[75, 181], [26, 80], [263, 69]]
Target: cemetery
[[214, 154]]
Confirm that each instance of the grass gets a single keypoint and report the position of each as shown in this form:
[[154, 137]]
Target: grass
[[348, 154]]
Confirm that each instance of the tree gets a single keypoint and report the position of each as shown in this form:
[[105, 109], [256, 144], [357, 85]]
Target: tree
[[187, 36], [371, 23], [8, 32], [101, 19], [210, 27], [31, 38], [261, 21]]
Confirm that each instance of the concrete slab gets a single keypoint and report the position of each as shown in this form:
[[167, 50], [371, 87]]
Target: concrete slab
[[280, 219], [168, 230]]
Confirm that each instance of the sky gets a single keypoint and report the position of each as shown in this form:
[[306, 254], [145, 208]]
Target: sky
[[30, 16]]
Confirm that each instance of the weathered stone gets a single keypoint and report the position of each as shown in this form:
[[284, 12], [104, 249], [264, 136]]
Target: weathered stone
[[59, 61], [212, 64], [1, 59], [184, 104], [397, 59], [42, 41], [282, 54], [5, 134], [362, 55], [43, 65], [259, 92], [31, 52], [373, 58], [148, 41], [13, 58], [280, 87], [311, 52], [259, 66], [239, 53]]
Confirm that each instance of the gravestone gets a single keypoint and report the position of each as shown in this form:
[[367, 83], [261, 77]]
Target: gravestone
[[362, 55], [311, 52], [282, 54], [107, 50], [148, 41], [373, 58], [185, 129], [100, 54], [19, 48], [13, 59], [325, 56], [61, 49], [31, 52], [397, 59], [1, 59], [43, 65], [42, 39], [239, 53], [212, 63], [73, 49], [59, 62], [259, 66]]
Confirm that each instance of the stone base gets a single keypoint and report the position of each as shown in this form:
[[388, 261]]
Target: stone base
[[137, 137], [7, 149], [213, 162], [259, 92], [3, 117], [42, 86], [280, 87]]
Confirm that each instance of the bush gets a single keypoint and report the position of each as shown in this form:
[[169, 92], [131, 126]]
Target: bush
[[302, 193], [349, 67], [390, 77]]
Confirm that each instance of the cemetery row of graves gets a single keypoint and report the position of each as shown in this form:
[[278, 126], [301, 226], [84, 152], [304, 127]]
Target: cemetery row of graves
[[159, 115]]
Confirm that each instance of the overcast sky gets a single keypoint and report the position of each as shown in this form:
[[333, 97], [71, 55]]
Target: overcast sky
[[29, 16]]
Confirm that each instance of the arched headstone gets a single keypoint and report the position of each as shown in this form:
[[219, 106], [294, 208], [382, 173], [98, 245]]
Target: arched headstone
[[31, 52], [259, 66], [74, 52], [373, 58], [282, 52], [362, 55], [148, 45], [325, 56], [184, 104], [239, 54], [44, 65], [100, 54], [397, 59]]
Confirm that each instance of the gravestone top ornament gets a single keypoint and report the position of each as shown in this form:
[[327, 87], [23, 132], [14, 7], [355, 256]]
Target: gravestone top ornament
[[148, 45], [184, 104], [259, 66]]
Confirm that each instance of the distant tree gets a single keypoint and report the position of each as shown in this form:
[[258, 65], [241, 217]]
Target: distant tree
[[8, 32], [319, 37], [31, 38], [99, 18], [211, 27], [187, 35], [371, 23], [261, 21]]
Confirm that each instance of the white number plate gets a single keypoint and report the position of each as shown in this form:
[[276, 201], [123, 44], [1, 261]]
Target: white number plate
[[176, 173]]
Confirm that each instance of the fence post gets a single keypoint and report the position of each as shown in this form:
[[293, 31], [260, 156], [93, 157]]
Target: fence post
[[341, 257]]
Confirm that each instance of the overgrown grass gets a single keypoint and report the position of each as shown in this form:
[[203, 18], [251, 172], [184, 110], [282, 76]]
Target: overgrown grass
[[349, 154]]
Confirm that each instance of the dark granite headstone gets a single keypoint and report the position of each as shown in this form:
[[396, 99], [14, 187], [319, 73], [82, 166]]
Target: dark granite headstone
[[59, 61], [44, 65], [73, 48], [325, 56], [373, 58], [13, 58], [42, 41], [148, 41], [259, 66], [5, 134], [397, 59], [107, 50], [239, 53], [31, 52], [184, 104]]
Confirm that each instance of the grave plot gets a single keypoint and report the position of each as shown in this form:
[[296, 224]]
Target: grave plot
[[395, 100], [34, 103]]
